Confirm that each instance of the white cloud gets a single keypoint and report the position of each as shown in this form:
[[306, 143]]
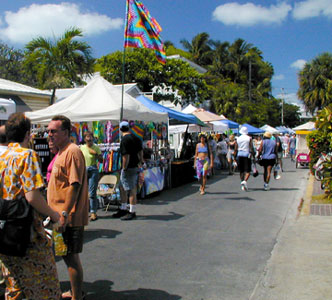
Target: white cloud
[[279, 77], [51, 20], [312, 8], [250, 14], [290, 98], [299, 64]]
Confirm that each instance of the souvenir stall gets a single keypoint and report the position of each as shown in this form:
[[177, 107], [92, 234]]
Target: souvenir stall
[[178, 171], [97, 108]]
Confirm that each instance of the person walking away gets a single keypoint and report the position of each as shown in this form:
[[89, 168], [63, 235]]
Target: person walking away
[[92, 154], [67, 193], [267, 152], [213, 147], [230, 154], [244, 151], [33, 276], [285, 145], [292, 147], [222, 152], [131, 149], [278, 166], [203, 161]]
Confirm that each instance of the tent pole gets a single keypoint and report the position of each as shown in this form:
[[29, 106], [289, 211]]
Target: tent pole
[[123, 78]]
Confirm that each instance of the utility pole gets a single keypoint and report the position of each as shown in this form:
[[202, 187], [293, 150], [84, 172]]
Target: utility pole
[[249, 91], [282, 106]]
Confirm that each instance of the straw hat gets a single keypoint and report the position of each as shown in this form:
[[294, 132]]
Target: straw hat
[[267, 134]]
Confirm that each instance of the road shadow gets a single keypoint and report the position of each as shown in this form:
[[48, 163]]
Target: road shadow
[[92, 234], [171, 217], [275, 189], [102, 290], [240, 198]]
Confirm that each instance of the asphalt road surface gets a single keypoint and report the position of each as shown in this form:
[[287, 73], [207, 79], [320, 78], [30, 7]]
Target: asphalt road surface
[[187, 246]]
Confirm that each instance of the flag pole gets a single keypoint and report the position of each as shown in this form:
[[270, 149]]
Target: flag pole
[[123, 61], [123, 78]]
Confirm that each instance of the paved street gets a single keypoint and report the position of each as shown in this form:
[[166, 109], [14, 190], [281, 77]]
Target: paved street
[[187, 246]]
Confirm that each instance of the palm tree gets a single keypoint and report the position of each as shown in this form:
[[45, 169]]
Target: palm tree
[[59, 63], [315, 81], [199, 48]]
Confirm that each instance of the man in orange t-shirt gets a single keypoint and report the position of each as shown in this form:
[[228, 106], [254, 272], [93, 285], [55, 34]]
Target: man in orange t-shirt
[[67, 193]]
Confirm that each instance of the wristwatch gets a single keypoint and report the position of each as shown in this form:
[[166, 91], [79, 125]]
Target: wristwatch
[[65, 214]]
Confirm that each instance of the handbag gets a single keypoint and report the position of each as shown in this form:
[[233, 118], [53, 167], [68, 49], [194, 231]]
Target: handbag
[[16, 217]]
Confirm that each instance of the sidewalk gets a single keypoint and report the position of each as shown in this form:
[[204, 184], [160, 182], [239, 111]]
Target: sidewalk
[[301, 263]]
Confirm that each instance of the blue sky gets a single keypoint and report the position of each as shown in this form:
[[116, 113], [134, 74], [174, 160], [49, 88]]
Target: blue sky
[[289, 33]]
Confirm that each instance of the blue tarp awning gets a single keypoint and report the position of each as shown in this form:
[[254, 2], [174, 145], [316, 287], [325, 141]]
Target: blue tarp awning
[[172, 114], [230, 124], [253, 129]]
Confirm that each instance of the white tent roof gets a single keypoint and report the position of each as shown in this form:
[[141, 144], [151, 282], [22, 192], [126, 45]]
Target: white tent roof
[[269, 129], [305, 126], [98, 101], [189, 109]]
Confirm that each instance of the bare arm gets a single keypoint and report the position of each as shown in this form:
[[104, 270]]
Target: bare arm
[[125, 161], [37, 201], [72, 197]]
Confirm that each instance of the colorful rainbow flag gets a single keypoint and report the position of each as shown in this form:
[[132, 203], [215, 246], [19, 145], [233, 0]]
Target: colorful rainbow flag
[[142, 30]]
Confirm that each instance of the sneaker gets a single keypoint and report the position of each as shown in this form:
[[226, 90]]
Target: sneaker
[[266, 187], [120, 213], [93, 217], [244, 186], [277, 177], [129, 216]]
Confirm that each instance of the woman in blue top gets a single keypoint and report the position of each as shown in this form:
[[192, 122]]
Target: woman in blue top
[[203, 161], [267, 152]]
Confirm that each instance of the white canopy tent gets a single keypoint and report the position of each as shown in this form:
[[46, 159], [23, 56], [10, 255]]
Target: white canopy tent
[[98, 101], [7, 107], [269, 128], [305, 126]]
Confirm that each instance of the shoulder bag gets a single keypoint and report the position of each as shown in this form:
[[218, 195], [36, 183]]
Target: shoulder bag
[[16, 218]]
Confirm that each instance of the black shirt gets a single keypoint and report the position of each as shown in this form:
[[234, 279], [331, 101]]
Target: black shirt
[[132, 145]]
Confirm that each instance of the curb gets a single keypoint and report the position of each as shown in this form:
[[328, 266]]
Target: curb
[[306, 201]]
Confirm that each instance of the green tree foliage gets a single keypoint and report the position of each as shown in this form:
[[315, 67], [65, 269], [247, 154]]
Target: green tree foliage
[[240, 84], [320, 141], [199, 48], [315, 81], [291, 115], [142, 67], [11, 65], [60, 63]]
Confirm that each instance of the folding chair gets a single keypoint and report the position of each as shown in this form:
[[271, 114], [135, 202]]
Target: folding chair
[[106, 188]]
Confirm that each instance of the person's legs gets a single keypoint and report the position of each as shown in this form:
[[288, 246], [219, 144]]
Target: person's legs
[[93, 184], [75, 272], [268, 174], [203, 184]]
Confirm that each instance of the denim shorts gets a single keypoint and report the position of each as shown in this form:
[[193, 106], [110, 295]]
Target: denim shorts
[[128, 178], [73, 238]]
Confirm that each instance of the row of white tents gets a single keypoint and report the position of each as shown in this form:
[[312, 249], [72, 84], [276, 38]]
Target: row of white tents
[[99, 101]]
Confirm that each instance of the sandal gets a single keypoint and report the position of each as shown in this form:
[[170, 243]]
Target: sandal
[[67, 295]]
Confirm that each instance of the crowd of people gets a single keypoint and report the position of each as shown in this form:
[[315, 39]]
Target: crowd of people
[[242, 153], [72, 179]]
